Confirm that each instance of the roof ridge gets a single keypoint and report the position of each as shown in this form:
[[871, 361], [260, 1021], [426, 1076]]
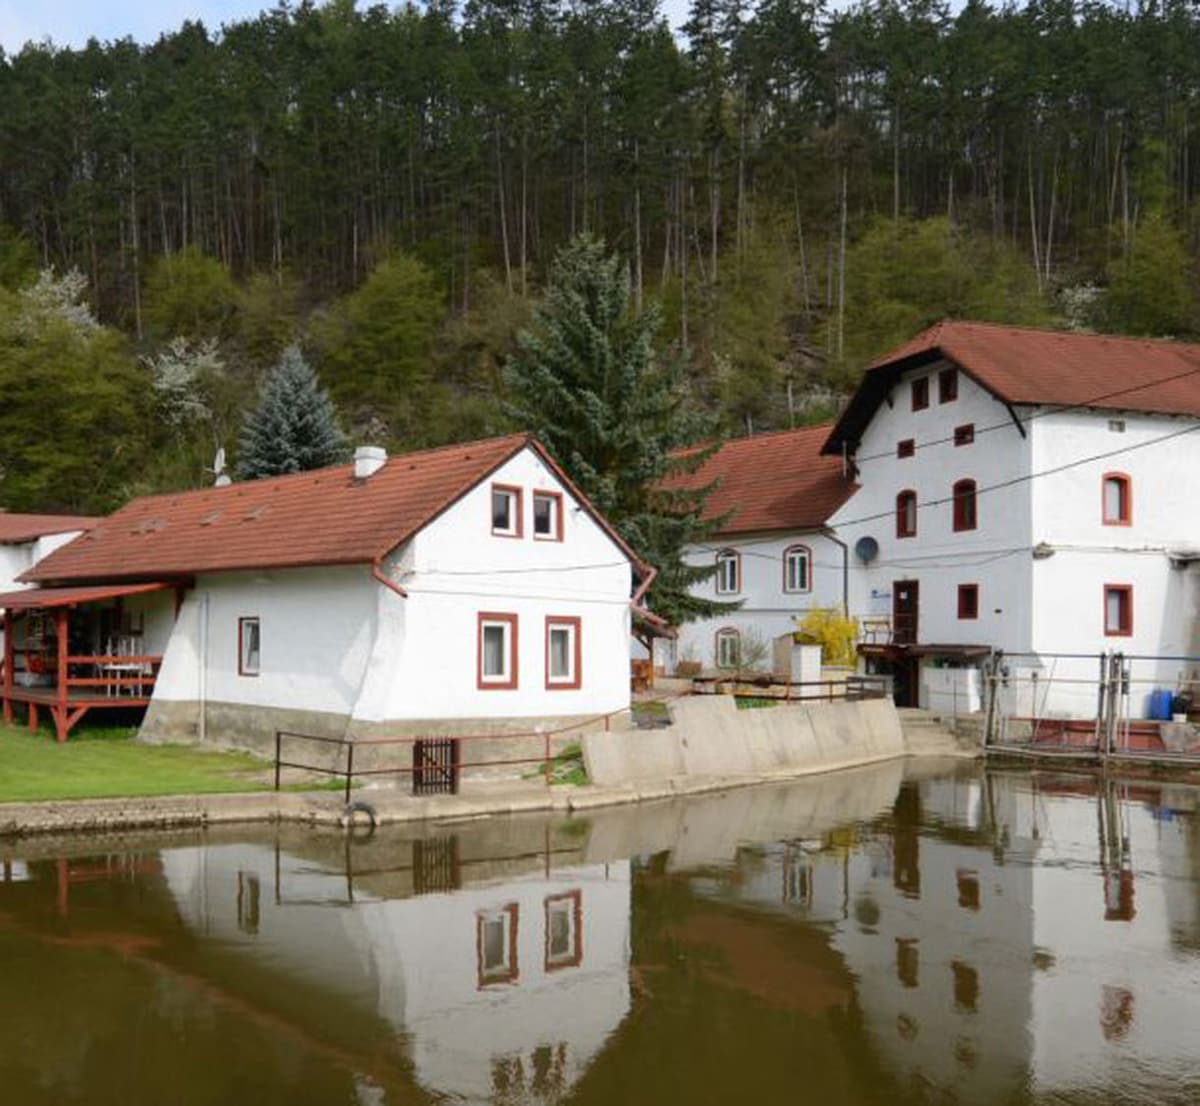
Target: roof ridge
[[1063, 332], [310, 474]]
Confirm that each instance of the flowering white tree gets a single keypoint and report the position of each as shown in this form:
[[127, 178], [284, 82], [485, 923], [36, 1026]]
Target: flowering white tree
[[58, 297], [182, 374]]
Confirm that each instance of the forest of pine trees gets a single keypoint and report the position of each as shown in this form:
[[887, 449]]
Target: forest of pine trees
[[798, 185]]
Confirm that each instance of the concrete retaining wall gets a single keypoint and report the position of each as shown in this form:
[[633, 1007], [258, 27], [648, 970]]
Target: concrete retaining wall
[[711, 738]]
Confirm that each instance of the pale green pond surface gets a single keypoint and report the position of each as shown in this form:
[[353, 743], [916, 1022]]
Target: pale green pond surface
[[905, 934]]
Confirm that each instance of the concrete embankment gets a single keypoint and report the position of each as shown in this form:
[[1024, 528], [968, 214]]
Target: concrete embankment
[[710, 746], [710, 739]]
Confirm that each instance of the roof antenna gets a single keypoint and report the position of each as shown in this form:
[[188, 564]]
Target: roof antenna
[[218, 470]]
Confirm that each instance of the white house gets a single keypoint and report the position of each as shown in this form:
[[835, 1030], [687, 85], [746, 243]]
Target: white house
[[25, 539], [461, 590], [773, 552], [1027, 491]]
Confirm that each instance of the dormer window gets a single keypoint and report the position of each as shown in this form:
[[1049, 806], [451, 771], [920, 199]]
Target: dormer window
[[1118, 499], [947, 385], [729, 572], [506, 511], [547, 516], [920, 394]]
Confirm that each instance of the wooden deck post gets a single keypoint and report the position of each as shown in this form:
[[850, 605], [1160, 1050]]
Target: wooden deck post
[[8, 666], [62, 617]]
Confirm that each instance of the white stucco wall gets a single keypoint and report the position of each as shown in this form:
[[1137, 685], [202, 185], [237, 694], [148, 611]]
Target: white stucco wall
[[336, 640], [937, 557], [766, 609], [456, 568]]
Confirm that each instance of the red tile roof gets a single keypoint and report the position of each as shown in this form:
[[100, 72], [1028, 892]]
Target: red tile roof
[[69, 597], [21, 528], [322, 517], [1022, 365], [772, 482]]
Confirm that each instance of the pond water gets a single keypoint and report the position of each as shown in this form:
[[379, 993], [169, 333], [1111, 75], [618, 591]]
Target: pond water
[[903, 934]]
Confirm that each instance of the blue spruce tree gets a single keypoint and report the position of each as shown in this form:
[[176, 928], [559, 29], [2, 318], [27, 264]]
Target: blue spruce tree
[[294, 426]]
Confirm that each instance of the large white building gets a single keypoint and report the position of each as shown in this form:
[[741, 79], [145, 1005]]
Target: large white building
[[773, 554], [1026, 491], [451, 591]]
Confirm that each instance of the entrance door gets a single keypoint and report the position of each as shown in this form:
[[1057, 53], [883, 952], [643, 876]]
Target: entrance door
[[905, 603]]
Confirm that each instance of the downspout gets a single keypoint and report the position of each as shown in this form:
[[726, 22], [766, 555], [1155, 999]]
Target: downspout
[[845, 571], [385, 579]]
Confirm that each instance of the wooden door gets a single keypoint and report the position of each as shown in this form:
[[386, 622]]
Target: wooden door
[[905, 608]]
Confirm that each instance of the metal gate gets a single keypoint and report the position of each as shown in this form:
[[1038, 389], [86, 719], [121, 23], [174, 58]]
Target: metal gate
[[435, 766]]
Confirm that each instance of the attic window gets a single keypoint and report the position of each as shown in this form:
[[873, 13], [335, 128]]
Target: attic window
[[947, 385], [920, 394], [506, 511], [1117, 426], [547, 516]]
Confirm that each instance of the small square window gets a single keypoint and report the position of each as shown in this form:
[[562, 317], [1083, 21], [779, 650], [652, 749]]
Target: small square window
[[506, 511], [496, 945], [547, 516], [497, 662], [906, 448], [249, 647], [563, 653], [564, 930], [947, 385], [968, 601], [965, 434], [920, 394]]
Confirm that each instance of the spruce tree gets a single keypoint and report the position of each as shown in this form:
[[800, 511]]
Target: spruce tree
[[294, 426], [589, 380]]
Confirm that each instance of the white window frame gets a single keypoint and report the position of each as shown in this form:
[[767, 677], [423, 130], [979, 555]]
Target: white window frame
[[728, 634], [555, 500], [249, 661], [572, 627], [508, 624], [513, 495], [725, 559], [792, 555]]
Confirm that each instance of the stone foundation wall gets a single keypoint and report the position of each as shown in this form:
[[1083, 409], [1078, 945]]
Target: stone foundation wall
[[236, 726]]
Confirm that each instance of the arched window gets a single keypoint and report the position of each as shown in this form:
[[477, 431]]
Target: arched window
[[1118, 499], [729, 572], [906, 514], [729, 648], [965, 517], [797, 568]]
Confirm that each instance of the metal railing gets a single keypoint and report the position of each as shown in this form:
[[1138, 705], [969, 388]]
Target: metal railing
[[850, 689]]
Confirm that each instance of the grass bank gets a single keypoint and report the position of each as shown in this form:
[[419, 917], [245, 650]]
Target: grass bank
[[103, 763]]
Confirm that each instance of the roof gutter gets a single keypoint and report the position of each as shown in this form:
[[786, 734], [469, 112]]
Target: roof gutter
[[385, 579]]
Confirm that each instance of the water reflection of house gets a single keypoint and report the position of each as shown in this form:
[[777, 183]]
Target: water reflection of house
[[505, 987]]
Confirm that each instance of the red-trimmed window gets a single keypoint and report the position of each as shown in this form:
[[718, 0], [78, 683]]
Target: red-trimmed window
[[905, 448], [797, 568], [965, 513], [906, 514], [547, 516], [497, 651], [564, 653], [1118, 499], [506, 511], [947, 385], [920, 394], [1118, 610], [968, 601], [249, 647], [496, 945], [728, 649], [564, 930], [965, 434], [729, 572]]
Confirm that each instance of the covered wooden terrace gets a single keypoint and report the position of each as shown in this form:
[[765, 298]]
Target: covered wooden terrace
[[48, 666]]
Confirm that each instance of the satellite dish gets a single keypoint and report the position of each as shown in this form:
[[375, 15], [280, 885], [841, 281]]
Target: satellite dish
[[866, 549]]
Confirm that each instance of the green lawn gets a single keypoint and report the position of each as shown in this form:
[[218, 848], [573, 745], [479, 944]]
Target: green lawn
[[106, 763]]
